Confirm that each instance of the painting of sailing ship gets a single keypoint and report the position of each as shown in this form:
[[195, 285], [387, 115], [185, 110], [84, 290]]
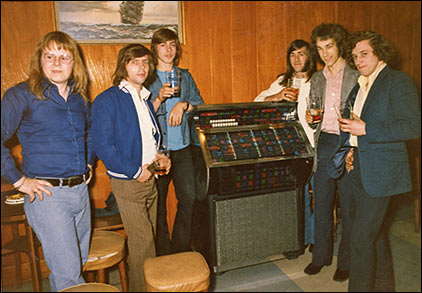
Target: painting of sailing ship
[[117, 21]]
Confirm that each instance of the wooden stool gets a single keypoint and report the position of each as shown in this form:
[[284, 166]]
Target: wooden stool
[[179, 272], [106, 250], [91, 287], [14, 215]]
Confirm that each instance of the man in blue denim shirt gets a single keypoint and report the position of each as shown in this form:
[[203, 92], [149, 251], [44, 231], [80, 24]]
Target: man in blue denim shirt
[[51, 115], [173, 113]]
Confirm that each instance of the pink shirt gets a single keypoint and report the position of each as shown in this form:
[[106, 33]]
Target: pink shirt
[[332, 97]]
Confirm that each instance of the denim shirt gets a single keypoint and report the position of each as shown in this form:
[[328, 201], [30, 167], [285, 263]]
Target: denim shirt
[[52, 133], [188, 93]]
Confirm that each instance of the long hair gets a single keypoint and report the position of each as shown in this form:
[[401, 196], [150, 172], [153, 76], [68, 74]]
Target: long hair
[[79, 73], [381, 46], [334, 31], [127, 54], [161, 36], [310, 66]]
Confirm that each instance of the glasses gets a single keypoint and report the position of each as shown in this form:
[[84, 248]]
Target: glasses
[[63, 59]]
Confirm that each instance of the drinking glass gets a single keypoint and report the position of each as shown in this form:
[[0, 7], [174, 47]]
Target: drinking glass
[[294, 84], [173, 78], [348, 107], [162, 162], [316, 108]]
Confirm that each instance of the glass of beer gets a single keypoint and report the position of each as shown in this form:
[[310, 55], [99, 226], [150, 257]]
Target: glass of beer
[[161, 162], [316, 108], [294, 84], [173, 78]]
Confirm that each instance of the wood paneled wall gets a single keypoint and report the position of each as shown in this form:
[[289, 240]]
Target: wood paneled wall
[[234, 50]]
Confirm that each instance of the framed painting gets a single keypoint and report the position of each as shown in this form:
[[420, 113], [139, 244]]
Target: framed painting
[[117, 21]]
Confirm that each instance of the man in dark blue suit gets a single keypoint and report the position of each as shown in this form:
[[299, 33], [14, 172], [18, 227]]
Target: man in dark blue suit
[[384, 114]]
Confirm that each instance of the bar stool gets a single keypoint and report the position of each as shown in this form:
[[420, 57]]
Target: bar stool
[[106, 250], [179, 272], [14, 215], [91, 287]]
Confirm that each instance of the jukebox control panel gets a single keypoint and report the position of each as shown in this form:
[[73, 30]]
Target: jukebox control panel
[[249, 147]]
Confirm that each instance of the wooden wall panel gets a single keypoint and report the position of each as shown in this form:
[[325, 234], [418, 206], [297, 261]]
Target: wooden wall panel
[[243, 50], [233, 49], [221, 59]]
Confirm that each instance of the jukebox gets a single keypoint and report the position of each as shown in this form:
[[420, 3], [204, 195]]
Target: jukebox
[[258, 160]]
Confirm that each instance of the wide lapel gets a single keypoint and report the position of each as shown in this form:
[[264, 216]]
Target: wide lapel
[[349, 81], [378, 84]]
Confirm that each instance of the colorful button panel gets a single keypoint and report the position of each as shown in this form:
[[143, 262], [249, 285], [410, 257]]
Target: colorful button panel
[[253, 144]]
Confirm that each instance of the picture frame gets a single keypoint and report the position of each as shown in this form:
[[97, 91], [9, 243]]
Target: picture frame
[[118, 21]]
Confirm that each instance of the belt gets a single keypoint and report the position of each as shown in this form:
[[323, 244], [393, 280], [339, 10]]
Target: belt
[[71, 181]]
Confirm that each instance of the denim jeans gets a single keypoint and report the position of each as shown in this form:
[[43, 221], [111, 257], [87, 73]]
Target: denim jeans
[[309, 215], [62, 223], [182, 173], [324, 191]]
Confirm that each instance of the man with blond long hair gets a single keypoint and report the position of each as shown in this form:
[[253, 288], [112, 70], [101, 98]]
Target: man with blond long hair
[[51, 116]]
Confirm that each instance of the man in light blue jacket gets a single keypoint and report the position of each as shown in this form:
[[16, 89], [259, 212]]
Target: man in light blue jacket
[[174, 115]]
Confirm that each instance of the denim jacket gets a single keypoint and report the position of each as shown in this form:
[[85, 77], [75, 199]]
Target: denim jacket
[[188, 93]]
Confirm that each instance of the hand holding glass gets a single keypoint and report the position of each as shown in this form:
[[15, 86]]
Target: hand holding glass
[[173, 78], [316, 108], [340, 114], [161, 162], [294, 84]]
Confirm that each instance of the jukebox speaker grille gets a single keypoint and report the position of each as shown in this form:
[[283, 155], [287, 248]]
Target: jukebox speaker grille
[[249, 229]]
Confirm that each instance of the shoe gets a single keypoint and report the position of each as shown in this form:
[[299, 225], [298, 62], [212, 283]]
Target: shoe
[[312, 269], [311, 247], [341, 276]]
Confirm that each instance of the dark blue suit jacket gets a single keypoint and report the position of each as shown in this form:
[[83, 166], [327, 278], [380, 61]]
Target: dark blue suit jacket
[[392, 116]]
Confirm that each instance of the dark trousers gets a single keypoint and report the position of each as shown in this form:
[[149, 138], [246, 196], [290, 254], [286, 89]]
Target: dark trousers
[[182, 173], [325, 192], [371, 261]]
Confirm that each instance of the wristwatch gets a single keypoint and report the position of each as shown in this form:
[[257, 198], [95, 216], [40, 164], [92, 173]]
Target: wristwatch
[[187, 106]]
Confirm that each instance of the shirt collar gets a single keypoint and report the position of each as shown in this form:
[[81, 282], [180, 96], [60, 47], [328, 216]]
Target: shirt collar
[[367, 81], [131, 89], [327, 72]]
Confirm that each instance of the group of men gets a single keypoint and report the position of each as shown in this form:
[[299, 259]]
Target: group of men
[[362, 151]]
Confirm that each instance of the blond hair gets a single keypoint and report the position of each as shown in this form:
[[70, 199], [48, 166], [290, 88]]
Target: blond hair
[[79, 73]]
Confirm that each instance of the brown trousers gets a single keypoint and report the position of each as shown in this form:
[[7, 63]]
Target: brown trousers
[[138, 209]]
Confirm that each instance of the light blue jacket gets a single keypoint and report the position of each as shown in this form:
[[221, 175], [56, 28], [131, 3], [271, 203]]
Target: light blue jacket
[[189, 93]]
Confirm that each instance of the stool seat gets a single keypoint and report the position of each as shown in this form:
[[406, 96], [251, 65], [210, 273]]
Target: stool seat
[[91, 287], [106, 249], [179, 272]]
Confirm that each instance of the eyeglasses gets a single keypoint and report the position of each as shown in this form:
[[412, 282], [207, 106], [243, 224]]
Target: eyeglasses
[[63, 59]]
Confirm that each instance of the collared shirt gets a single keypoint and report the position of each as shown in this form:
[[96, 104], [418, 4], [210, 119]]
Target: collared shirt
[[332, 99], [149, 145], [365, 84], [51, 132]]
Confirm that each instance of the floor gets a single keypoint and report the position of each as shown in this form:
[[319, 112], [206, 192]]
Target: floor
[[287, 275]]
